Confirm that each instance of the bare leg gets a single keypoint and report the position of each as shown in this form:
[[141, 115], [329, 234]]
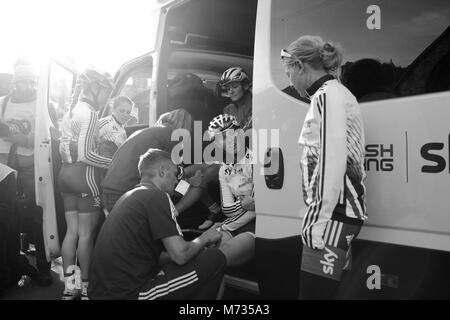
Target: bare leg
[[239, 249], [69, 245], [87, 224]]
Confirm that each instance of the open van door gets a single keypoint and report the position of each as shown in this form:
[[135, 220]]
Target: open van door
[[56, 82]]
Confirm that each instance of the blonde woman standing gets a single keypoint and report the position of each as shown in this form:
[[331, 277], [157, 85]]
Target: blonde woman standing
[[332, 165]]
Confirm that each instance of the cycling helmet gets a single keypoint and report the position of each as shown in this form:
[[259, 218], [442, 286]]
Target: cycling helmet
[[91, 75], [221, 123], [234, 74]]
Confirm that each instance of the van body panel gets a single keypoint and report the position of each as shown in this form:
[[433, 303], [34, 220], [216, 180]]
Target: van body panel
[[406, 205]]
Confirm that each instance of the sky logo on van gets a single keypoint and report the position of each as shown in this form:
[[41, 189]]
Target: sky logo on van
[[328, 262], [379, 157], [433, 152]]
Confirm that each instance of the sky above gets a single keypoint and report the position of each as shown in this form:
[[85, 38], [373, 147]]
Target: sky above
[[98, 33]]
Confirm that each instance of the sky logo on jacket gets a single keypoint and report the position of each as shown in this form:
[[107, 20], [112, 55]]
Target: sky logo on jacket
[[328, 262]]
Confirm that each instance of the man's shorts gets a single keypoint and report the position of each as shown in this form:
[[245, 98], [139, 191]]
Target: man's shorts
[[336, 256], [199, 278]]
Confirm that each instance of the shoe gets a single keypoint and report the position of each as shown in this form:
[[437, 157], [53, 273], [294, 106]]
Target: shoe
[[205, 225], [84, 296], [70, 294], [44, 279]]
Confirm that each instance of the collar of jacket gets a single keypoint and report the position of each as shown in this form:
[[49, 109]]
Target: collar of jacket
[[318, 83]]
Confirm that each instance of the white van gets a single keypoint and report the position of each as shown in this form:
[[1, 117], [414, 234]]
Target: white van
[[405, 101]]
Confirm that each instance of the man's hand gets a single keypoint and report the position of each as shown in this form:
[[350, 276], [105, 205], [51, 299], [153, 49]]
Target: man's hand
[[248, 203], [212, 237], [19, 138], [196, 180]]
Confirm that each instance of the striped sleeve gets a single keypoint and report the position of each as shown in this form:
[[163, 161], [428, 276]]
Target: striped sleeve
[[86, 143], [102, 122], [329, 108], [104, 129], [231, 207]]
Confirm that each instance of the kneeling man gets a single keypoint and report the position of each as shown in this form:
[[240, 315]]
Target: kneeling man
[[127, 262]]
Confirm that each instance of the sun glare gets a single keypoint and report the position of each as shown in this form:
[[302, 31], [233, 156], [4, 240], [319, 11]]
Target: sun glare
[[97, 33]]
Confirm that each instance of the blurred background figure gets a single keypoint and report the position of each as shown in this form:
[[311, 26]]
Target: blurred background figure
[[17, 118]]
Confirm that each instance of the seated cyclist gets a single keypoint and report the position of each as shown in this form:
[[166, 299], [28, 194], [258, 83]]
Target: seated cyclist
[[236, 188], [234, 84]]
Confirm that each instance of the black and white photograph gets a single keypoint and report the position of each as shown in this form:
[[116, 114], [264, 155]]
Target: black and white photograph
[[225, 154]]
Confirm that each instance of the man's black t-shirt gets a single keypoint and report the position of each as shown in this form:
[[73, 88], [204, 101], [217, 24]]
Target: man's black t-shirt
[[123, 174], [128, 247]]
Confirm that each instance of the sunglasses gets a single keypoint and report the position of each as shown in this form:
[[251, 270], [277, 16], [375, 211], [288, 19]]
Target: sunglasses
[[286, 54]]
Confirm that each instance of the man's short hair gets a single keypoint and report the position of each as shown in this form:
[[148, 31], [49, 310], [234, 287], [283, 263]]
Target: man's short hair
[[152, 158]]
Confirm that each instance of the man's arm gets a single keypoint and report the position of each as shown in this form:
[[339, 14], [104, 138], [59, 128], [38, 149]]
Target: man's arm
[[181, 251], [193, 194]]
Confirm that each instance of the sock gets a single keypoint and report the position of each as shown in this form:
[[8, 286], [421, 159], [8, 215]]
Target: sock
[[67, 280], [84, 287], [214, 208]]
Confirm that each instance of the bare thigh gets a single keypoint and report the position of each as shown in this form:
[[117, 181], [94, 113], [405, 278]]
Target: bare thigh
[[239, 249]]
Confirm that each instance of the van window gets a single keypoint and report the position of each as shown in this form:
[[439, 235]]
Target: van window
[[406, 56]]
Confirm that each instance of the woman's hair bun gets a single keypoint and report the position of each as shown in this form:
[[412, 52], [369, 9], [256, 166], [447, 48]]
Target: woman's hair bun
[[331, 56], [328, 47]]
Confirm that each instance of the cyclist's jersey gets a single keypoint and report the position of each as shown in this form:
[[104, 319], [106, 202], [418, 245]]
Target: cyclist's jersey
[[111, 130], [79, 138], [333, 159], [236, 182], [242, 110]]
